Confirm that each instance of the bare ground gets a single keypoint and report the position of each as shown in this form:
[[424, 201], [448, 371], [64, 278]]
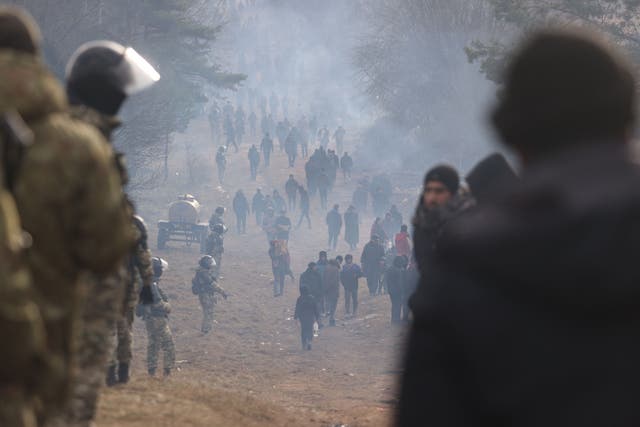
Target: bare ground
[[250, 370]]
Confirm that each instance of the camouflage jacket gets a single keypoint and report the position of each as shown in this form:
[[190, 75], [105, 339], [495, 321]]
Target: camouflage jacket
[[68, 192], [205, 281]]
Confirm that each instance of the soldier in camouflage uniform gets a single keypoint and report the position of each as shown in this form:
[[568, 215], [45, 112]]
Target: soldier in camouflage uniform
[[139, 272], [217, 218], [23, 363], [204, 285], [98, 82], [71, 234], [155, 318], [215, 247]]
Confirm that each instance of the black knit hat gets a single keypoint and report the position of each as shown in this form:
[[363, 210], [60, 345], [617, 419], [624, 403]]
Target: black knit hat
[[562, 88], [445, 174]]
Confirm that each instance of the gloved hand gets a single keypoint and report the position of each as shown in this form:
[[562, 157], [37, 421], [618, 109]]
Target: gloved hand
[[146, 296]]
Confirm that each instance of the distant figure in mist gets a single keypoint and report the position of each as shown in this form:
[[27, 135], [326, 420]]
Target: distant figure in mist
[[258, 206], [530, 316], [360, 198], [346, 164], [280, 265], [334, 226], [266, 146], [291, 188], [323, 137], [254, 162], [323, 188], [230, 133], [305, 206], [221, 163], [349, 276], [241, 209], [351, 227], [306, 312], [291, 146]]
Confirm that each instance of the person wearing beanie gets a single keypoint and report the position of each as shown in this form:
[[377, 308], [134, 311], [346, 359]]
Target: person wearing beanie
[[440, 202], [440, 184], [531, 313]]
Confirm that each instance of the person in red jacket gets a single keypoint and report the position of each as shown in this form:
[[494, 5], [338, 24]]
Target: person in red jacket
[[403, 242]]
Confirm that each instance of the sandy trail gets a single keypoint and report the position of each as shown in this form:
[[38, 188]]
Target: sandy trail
[[250, 369]]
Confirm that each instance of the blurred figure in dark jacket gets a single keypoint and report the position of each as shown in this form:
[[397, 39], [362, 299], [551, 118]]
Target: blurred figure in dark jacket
[[530, 316]]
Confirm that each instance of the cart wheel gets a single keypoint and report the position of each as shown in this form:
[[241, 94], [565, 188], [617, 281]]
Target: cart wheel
[[162, 239]]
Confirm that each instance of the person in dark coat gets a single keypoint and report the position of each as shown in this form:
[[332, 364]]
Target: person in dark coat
[[360, 198], [304, 206], [395, 276], [307, 313], [346, 164], [312, 279], [334, 225], [439, 205], [254, 161], [258, 206], [349, 276], [283, 226], [371, 260], [331, 285], [291, 146], [241, 209], [291, 188], [531, 313], [280, 265], [351, 227], [266, 146], [323, 184]]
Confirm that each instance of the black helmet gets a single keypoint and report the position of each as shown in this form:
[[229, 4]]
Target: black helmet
[[102, 74], [219, 210], [158, 265], [207, 261]]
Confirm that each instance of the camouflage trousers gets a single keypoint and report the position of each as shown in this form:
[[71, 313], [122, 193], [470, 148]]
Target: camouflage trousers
[[217, 256], [123, 338], [103, 306], [159, 337], [208, 302], [16, 409]]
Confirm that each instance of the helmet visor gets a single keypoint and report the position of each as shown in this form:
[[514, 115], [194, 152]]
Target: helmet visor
[[141, 74]]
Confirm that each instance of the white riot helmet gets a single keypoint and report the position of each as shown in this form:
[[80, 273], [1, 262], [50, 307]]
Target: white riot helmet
[[102, 74]]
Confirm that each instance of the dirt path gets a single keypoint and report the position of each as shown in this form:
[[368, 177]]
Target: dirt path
[[250, 370]]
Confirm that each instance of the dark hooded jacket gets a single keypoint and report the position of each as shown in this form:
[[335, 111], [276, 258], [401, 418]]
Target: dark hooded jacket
[[531, 316], [311, 280]]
